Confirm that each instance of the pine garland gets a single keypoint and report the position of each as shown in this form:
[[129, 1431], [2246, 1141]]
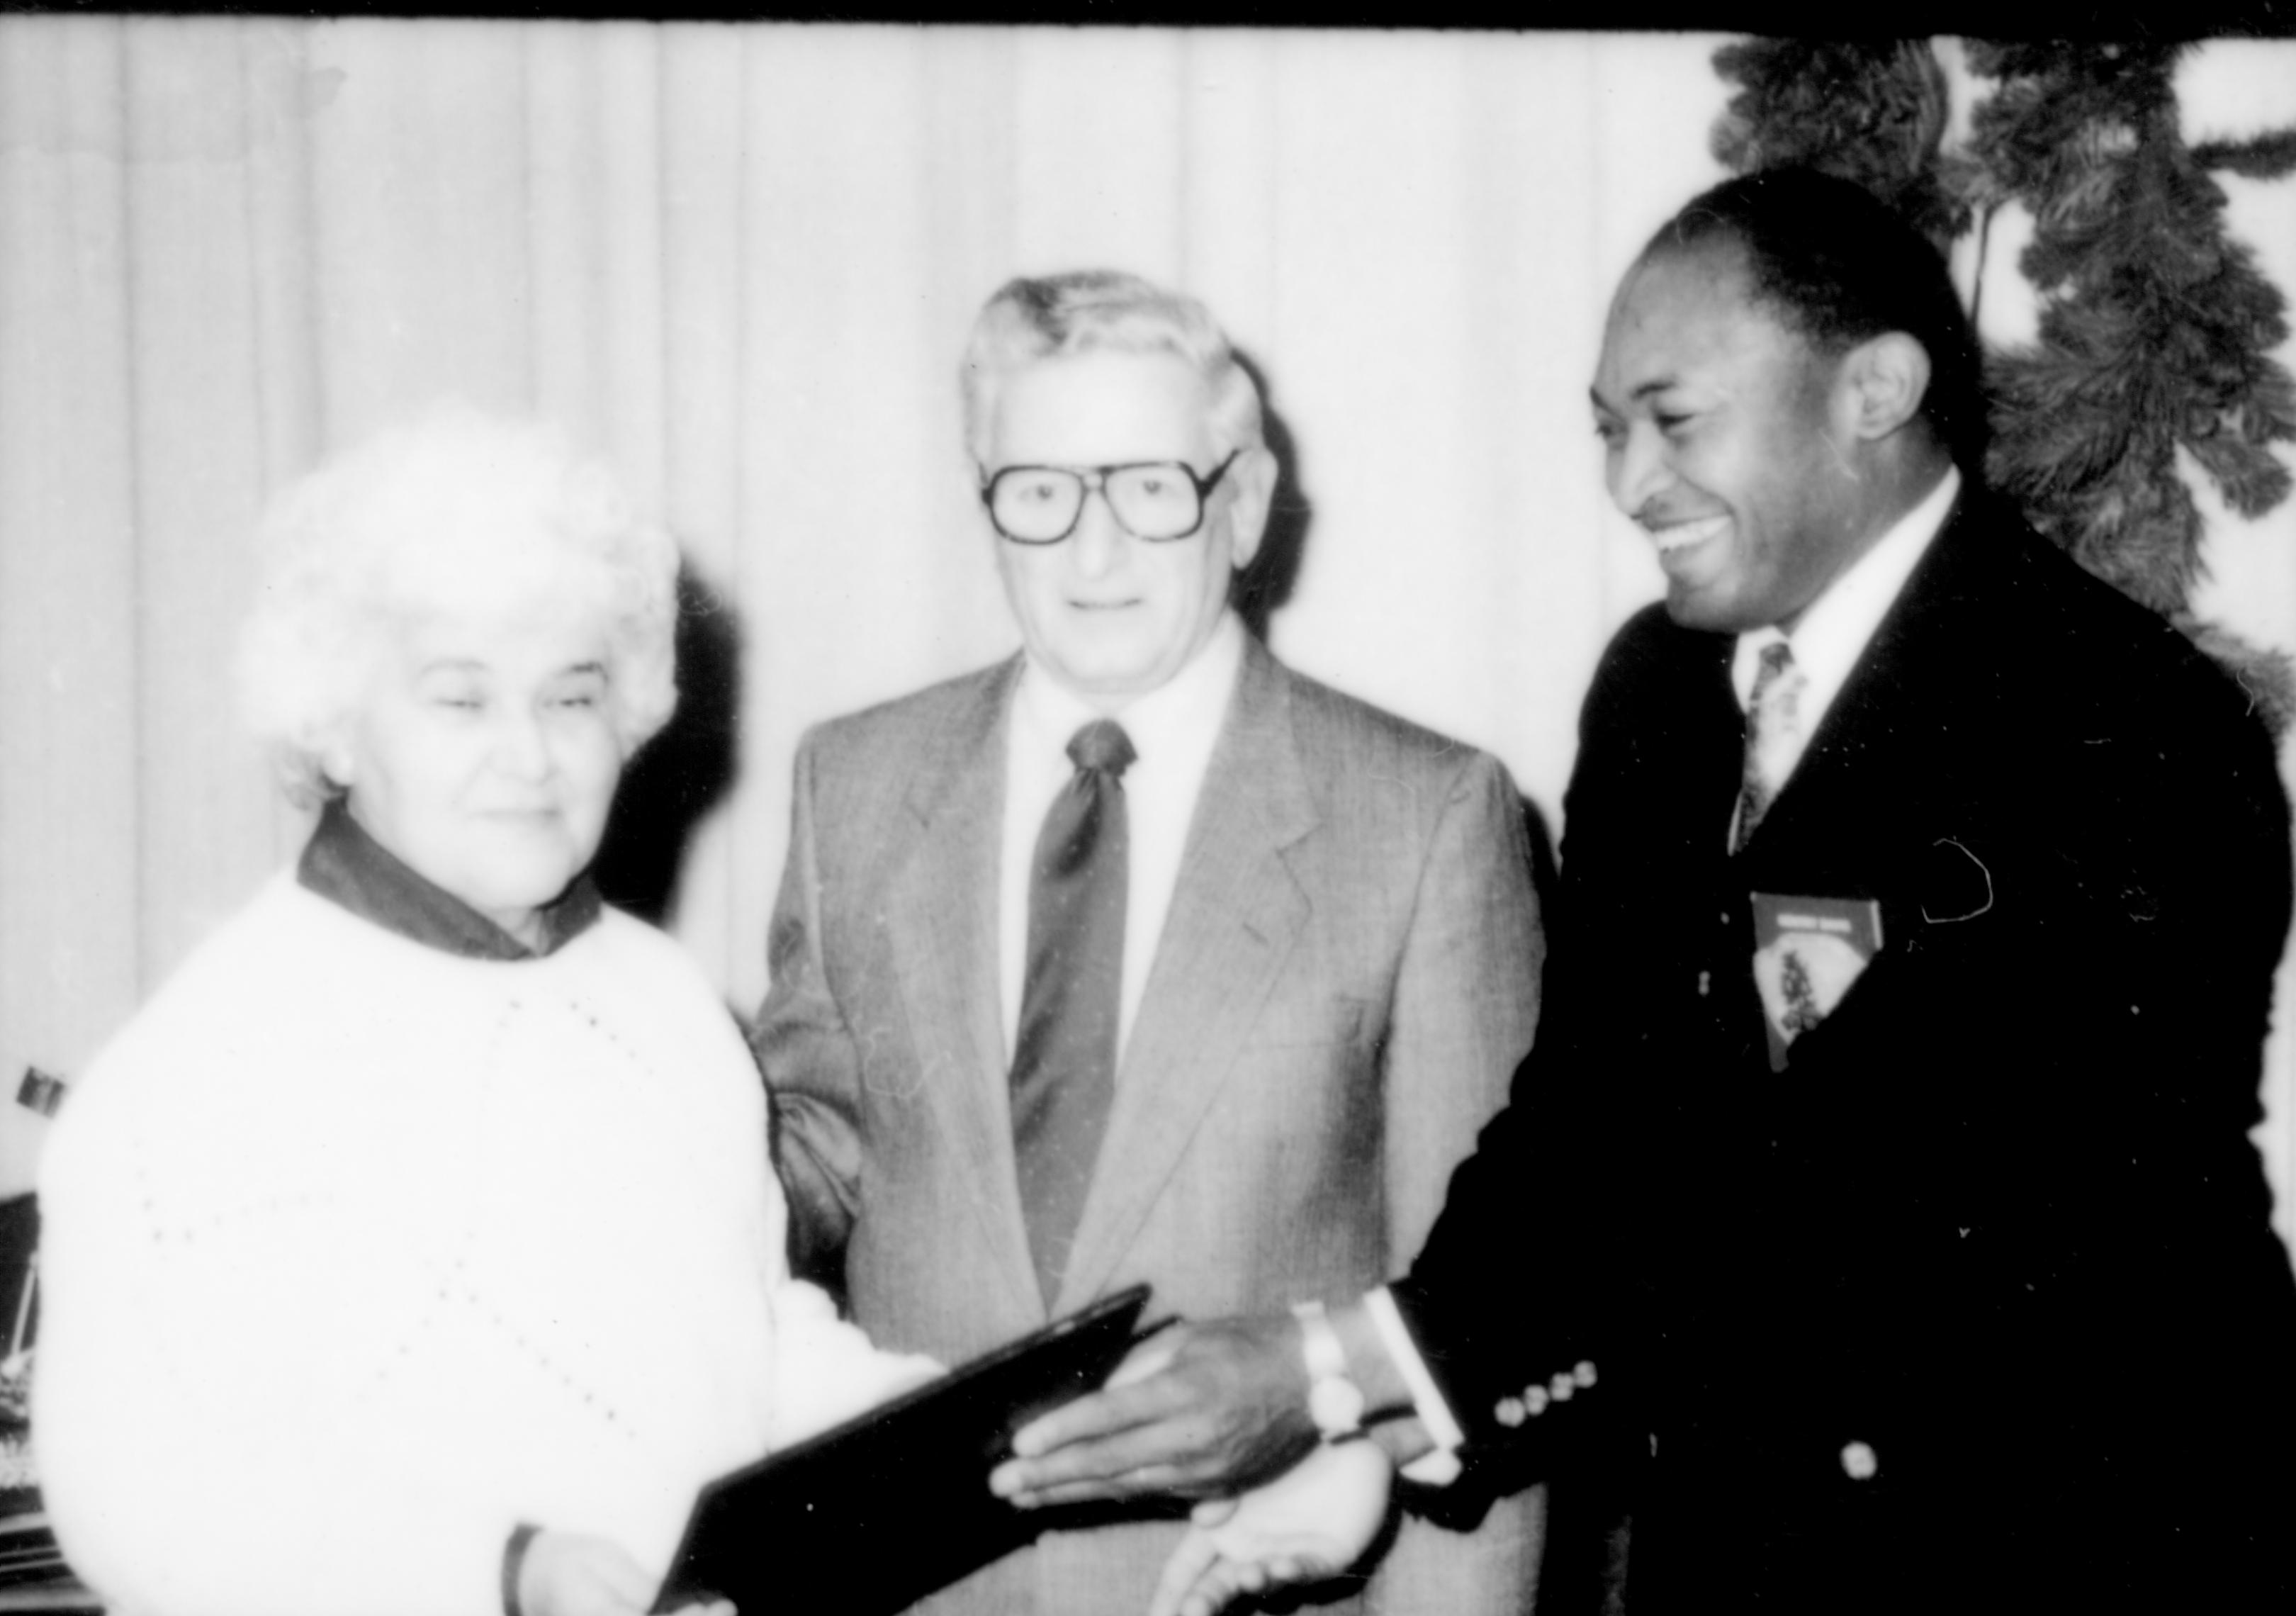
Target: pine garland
[[2156, 328], [1870, 110]]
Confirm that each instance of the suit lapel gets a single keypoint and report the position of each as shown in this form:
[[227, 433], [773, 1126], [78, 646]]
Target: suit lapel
[[942, 928], [1903, 689], [1237, 911]]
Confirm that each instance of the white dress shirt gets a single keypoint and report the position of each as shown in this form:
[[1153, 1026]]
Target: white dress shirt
[[1173, 729], [1837, 627], [1833, 633]]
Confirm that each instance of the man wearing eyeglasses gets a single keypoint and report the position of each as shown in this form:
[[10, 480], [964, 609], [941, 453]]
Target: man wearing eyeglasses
[[1138, 958]]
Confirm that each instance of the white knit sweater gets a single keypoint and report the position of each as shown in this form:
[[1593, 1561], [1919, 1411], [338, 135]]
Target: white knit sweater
[[356, 1254]]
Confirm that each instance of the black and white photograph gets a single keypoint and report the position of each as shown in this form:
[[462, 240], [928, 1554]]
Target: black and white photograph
[[1039, 818]]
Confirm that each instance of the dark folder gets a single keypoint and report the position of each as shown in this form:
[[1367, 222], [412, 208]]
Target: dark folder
[[895, 1503]]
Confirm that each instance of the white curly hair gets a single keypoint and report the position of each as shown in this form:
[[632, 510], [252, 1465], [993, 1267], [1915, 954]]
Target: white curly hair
[[388, 527]]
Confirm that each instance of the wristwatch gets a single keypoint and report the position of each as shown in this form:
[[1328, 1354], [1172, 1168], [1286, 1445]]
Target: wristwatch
[[1334, 1402]]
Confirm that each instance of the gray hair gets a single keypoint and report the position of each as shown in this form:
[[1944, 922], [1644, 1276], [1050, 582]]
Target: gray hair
[[342, 548], [1035, 318]]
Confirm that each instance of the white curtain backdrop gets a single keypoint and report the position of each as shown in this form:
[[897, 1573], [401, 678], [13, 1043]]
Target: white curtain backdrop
[[741, 261]]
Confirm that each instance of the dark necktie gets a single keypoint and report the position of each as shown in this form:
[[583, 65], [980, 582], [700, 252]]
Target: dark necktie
[[1772, 725], [1064, 1056]]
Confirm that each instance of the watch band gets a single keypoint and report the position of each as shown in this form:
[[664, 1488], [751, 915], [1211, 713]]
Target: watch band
[[1334, 1402]]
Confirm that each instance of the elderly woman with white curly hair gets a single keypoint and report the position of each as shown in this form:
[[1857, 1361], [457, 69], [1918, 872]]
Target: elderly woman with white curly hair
[[414, 1252]]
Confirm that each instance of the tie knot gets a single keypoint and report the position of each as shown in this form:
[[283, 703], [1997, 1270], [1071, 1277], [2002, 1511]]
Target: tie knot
[[1103, 746], [1776, 661]]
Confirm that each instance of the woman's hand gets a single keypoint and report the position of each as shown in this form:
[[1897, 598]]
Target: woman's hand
[[1311, 1523], [568, 1574]]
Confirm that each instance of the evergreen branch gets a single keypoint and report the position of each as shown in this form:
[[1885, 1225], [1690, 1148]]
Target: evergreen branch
[[1872, 112], [2265, 157]]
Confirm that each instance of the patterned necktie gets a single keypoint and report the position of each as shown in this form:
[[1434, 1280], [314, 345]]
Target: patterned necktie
[[1064, 1057], [1772, 729]]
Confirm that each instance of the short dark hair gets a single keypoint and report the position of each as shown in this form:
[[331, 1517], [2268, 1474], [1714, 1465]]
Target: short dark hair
[[1839, 267]]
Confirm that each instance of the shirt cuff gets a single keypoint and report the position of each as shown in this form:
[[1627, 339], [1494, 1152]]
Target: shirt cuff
[[1439, 1468]]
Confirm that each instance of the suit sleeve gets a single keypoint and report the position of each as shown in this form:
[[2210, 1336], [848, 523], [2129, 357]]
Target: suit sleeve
[[807, 1051], [1519, 1316], [1466, 997], [1517, 1309]]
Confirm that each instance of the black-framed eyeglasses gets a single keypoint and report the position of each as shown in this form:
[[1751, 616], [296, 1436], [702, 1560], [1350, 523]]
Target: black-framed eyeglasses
[[1156, 500]]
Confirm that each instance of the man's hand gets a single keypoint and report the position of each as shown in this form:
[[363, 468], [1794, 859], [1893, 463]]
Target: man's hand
[[1312, 1523], [568, 1574], [1198, 1410]]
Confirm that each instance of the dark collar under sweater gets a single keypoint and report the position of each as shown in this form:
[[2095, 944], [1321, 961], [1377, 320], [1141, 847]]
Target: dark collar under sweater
[[345, 865]]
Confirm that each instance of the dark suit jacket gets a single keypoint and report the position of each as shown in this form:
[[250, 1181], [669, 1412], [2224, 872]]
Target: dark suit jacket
[[1998, 1221], [1347, 979]]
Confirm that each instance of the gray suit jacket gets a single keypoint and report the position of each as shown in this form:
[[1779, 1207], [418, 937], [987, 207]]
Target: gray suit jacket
[[1346, 977]]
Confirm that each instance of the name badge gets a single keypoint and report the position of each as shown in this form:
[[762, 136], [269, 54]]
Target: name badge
[[1807, 953]]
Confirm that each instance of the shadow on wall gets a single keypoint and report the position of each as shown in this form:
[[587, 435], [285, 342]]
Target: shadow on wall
[[1258, 590], [680, 775]]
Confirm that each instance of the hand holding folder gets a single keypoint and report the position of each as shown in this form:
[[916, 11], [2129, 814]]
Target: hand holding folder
[[895, 1503]]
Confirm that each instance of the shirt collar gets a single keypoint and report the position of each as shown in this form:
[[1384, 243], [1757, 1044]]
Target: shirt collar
[[1191, 703], [344, 864], [1834, 631]]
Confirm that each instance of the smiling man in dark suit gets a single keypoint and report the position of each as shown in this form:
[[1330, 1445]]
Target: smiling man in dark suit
[[1137, 956], [1882, 1171]]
